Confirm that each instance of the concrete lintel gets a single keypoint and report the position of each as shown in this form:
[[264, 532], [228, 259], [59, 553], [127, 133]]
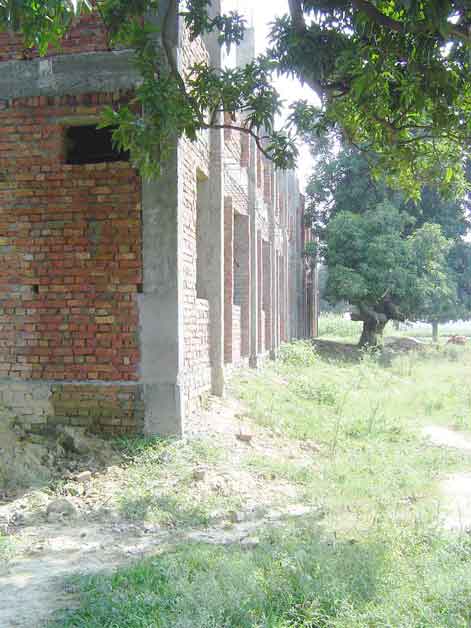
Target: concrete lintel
[[69, 74]]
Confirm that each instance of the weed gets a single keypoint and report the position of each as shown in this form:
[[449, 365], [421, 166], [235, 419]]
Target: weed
[[273, 469], [300, 354], [323, 394]]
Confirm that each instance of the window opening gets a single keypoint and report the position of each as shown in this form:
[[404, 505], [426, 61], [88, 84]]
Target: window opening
[[91, 145]]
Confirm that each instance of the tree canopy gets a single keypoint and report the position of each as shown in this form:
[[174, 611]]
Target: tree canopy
[[383, 273], [392, 76], [342, 195]]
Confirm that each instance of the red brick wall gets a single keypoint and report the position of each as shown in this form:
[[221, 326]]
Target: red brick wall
[[267, 296], [244, 150], [242, 277], [87, 34], [228, 278], [263, 325], [105, 409], [70, 251], [236, 334], [261, 313]]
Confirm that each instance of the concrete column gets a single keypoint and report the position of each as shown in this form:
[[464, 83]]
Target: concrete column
[[277, 300], [228, 279], [274, 317], [213, 224], [314, 331], [161, 314], [286, 284], [161, 302], [260, 319], [242, 283], [254, 303], [268, 295]]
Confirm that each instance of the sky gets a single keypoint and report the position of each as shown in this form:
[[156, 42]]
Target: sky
[[259, 14]]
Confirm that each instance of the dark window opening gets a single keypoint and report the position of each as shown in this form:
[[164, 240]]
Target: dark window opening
[[90, 145]]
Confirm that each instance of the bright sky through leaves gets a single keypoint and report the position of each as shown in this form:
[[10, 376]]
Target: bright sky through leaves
[[260, 14]]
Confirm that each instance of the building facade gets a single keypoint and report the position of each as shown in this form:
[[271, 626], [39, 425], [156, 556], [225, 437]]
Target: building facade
[[124, 301]]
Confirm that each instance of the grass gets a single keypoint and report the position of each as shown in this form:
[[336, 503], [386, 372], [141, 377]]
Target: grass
[[271, 468], [158, 482], [395, 577], [336, 327], [378, 559], [5, 545]]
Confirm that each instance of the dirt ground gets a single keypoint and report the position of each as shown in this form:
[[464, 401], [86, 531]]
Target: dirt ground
[[456, 488], [35, 578]]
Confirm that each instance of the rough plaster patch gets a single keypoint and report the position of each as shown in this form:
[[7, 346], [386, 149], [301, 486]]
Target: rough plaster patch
[[46, 78]]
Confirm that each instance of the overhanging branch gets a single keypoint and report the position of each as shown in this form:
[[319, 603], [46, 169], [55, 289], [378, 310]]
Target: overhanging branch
[[381, 19], [299, 25]]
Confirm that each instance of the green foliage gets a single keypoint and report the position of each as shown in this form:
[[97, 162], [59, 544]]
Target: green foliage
[[373, 265], [343, 189], [391, 76], [300, 353]]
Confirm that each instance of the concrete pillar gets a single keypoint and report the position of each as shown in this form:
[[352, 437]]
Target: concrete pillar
[[260, 311], [161, 302], [242, 283], [211, 265], [314, 331], [161, 312], [254, 303], [274, 310], [268, 295], [228, 279], [277, 300], [213, 222]]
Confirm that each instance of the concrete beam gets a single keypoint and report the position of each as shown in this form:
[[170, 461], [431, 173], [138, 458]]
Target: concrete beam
[[69, 74]]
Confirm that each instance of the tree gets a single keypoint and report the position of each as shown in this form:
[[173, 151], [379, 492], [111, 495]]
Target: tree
[[383, 271], [455, 302], [344, 181], [392, 76]]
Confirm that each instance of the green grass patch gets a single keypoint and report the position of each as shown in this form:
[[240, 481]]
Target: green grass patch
[[159, 481], [295, 578], [379, 558], [338, 327], [271, 468], [367, 420]]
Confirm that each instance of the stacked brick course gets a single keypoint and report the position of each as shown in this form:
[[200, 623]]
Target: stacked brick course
[[70, 250], [85, 35]]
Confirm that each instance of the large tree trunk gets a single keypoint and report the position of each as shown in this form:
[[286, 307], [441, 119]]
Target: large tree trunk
[[373, 325], [435, 331], [372, 334]]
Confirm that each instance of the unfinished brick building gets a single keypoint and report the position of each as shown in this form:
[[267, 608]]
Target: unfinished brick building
[[122, 302]]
